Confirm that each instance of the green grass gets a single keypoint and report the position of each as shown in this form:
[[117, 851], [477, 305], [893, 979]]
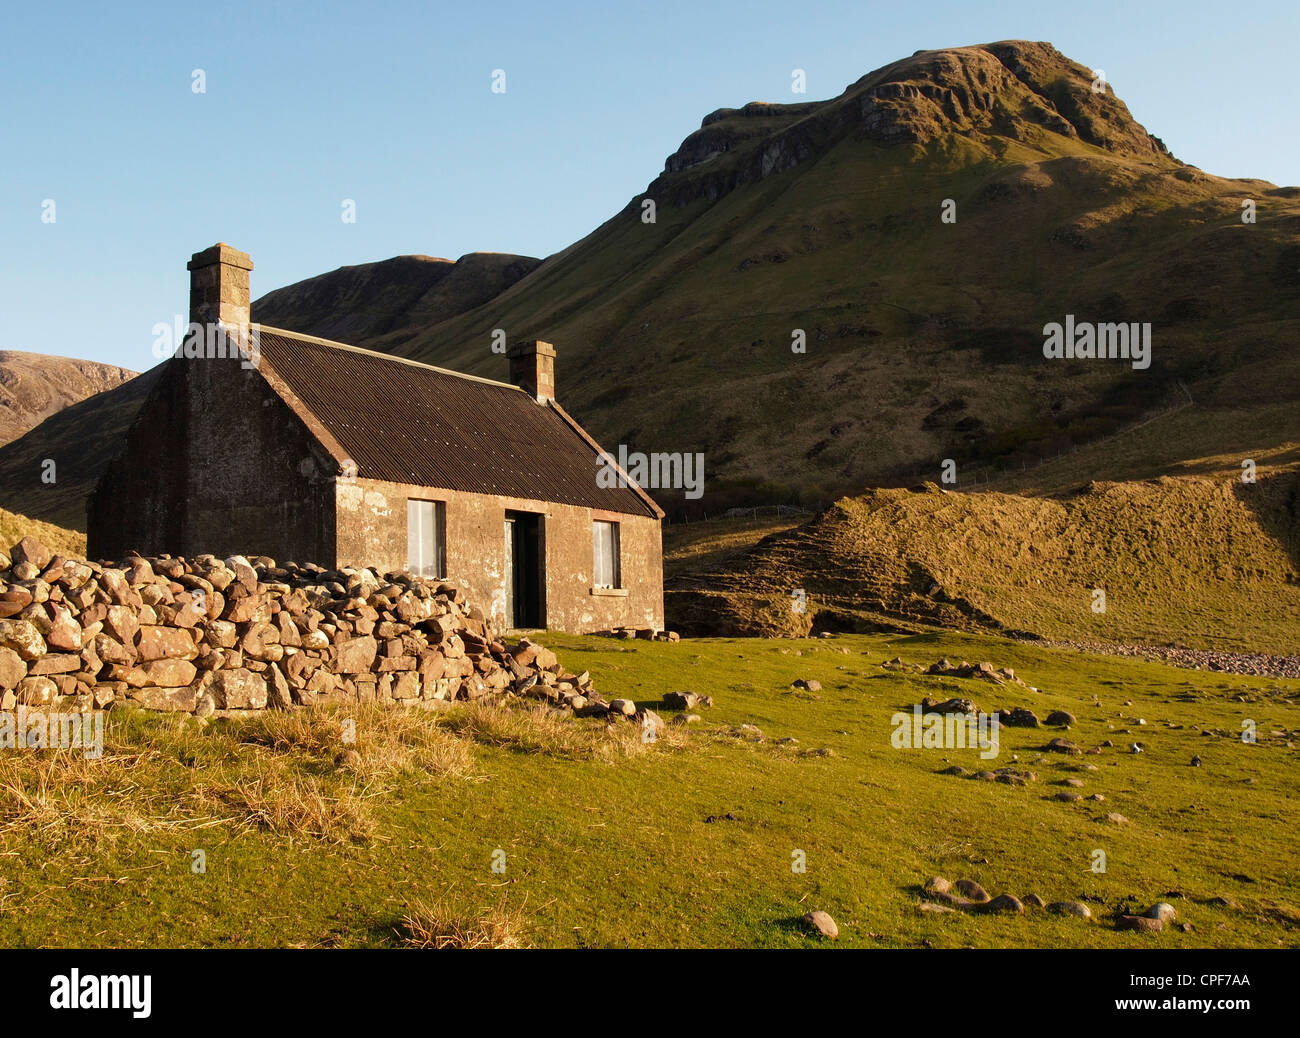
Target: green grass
[[606, 840]]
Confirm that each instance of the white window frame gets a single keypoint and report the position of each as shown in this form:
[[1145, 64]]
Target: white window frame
[[614, 571], [433, 537]]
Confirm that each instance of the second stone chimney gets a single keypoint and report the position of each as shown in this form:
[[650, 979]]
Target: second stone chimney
[[532, 368], [219, 286]]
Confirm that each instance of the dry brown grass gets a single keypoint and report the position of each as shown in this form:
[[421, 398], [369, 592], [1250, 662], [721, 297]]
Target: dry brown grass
[[62, 796], [387, 741], [283, 801], [441, 925], [313, 774], [14, 527]]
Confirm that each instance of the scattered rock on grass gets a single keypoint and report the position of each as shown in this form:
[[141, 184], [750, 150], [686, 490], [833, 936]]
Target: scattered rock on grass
[[1018, 717], [821, 923], [1163, 911], [1005, 904], [973, 891], [1075, 908], [1140, 923]]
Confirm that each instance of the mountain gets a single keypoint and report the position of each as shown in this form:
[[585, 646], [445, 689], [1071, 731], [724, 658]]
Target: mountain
[[362, 303], [34, 386], [81, 440], [924, 338]]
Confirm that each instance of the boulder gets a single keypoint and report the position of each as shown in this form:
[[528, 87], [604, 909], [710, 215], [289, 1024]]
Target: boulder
[[12, 668], [1075, 908], [239, 689], [356, 655], [1004, 904], [22, 637], [1140, 923], [1163, 911], [161, 643], [821, 923], [971, 890], [182, 700], [29, 549]]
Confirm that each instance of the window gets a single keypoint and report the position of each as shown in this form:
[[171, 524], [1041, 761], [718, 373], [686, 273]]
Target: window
[[605, 538], [426, 554]]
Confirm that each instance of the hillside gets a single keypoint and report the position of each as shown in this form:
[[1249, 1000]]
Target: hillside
[[924, 339], [14, 527], [1207, 564], [391, 298], [34, 386], [81, 440]]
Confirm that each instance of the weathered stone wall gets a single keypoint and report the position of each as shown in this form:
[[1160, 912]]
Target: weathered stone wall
[[215, 462], [372, 528], [208, 635], [258, 483], [135, 508]]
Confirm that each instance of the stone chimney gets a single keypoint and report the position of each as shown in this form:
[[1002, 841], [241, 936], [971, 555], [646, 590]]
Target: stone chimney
[[532, 368], [219, 286]]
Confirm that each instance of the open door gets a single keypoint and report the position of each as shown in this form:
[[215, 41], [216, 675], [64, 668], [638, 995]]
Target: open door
[[525, 570]]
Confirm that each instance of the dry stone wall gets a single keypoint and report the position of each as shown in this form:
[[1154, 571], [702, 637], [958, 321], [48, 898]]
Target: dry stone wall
[[216, 636]]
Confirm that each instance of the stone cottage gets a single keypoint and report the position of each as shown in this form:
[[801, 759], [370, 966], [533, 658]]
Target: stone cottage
[[259, 441]]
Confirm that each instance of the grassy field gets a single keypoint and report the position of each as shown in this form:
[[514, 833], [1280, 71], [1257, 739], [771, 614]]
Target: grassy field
[[686, 841]]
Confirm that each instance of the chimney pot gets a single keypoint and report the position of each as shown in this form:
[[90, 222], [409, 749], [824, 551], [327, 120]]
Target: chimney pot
[[532, 368], [219, 286]]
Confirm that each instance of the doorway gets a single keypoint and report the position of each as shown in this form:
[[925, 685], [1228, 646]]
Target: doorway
[[525, 571]]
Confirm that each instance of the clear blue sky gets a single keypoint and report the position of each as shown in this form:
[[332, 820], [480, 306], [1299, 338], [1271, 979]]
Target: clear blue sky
[[390, 104]]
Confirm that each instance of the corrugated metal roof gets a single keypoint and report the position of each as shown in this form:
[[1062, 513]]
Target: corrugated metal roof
[[405, 422]]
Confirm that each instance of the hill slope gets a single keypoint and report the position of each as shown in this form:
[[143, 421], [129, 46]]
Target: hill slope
[[1204, 563], [14, 527], [924, 339], [390, 298], [34, 386]]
